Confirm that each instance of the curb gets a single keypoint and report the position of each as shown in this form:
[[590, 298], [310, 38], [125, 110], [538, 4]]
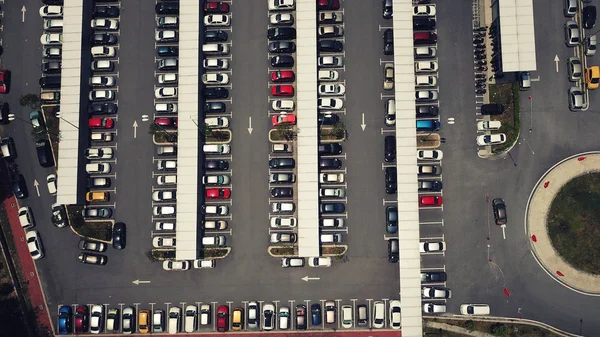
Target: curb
[[87, 237], [219, 257], [160, 144], [496, 319], [222, 141]]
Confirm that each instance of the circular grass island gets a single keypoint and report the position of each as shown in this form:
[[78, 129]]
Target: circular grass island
[[574, 223]]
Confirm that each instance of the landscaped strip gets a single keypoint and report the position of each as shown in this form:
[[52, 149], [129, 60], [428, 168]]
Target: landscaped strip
[[508, 95]]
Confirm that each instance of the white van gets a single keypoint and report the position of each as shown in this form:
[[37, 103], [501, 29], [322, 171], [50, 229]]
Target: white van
[[347, 316], [279, 207], [205, 314], [215, 49], [329, 312], [191, 312], [101, 137], [328, 75], [218, 241], [103, 51], [488, 125], [174, 320], [281, 148], [53, 25], [332, 222], [215, 224], [475, 309], [331, 238], [378, 314], [97, 168], [165, 226], [166, 151], [167, 180], [216, 148], [25, 217]]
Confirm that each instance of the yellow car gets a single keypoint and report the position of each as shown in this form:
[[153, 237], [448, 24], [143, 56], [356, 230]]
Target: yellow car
[[592, 77], [144, 321]]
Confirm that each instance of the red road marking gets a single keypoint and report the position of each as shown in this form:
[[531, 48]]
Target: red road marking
[[506, 292], [546, 184], [559, 273], [581, 158], [533, 238]]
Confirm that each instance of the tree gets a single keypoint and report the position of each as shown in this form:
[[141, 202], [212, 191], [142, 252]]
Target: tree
[[339, 130], [286, 132], [500, 330], [153, 129], [30, 100], [205, 131]]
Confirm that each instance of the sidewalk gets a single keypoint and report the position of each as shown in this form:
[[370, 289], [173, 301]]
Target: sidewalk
[[34, 289], [536, 214]]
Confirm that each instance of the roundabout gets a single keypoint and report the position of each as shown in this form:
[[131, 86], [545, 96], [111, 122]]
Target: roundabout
[[536, 218]]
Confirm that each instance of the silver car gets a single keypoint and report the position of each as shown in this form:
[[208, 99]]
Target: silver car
[[574, 68], [572, 35], [575, 99]]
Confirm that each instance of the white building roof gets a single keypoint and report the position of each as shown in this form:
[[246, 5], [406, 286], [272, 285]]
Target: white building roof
[[517, 35]]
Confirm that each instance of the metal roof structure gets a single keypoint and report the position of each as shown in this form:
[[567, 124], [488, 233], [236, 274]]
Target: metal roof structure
[[406, 164], [517, 35], [307, 204], [70, 103], [186, 232]]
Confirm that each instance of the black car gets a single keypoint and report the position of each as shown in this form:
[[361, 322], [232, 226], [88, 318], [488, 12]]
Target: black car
[[427, 111], [282, 61], [433, 277], [214, 107], [330, 149], [50, 82], [316, 314], [119, 235], [282, 47], [330, 46], [390, 148], [4, 113], [216, 165], [52, 52], [44, 153], [167, 64], [104, 39], [391, 219], [102, 108], [429, 185], [53, 2], [52, 67], [330, 163], [393, 250], [281, 33], [282, 163], [59, 216], [391, 182], [163, 51], [388, 42], [167, 7], [18, 186], [423, 23], [215, 93], [282, 192], [215, 36], [588, 17], [499, 211], [388, 11], [492, 109], [327, 119], [332, 207], [106, 12]]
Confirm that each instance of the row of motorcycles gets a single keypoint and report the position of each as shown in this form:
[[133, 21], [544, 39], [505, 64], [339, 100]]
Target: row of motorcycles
[[479, 35]]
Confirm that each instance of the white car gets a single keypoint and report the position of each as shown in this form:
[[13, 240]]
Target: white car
[[378, 314], [433, 292], [51, 183], [99, 153], [283, 238], [430, 155], [426, 66], [215, 210], [432, 246], [204, 264], [163, 210], [215, 78], [281, 19], [332, 89], [425, 81], [280, 207], [215, 64], [102, 95], [474, 309], [96, 319], [190, 317], [102, 81], [163, 241], [331, 178], [319, 262], [34, 245], [280, 222], [395, 316], [216, 20], [165, 36], [253, 315], [488, 125], [163, 165], [330, 62], [216, 122], [496, 139], [216, 179], [281, 5], [330, 103], [292, 262], [328, 75], [51, 11], [167, 78], [164, 195], [331, 17], [25, 217], [426, 10], [434, 308], [426, 95], [103, 51], [283, 105], [51, 38], [112, 320], [165, 92], [332, 193], [103, 65], [105, 24], [330, 31], [176, 265]]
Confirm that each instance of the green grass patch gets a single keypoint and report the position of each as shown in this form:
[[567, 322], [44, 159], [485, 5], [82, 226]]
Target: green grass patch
[[99, 230], [490, 327], [574, 223], [507, 95]]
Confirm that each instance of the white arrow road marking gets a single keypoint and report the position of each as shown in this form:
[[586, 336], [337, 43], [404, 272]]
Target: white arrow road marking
[[137, 282], [503, 231], [250, 125], [37, 186], [306, 278], [556, 61], [23, 10], [135, 125], [363, 125]]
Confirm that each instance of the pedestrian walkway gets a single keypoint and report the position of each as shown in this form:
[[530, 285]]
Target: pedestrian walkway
[[536, 214], [34, 289]]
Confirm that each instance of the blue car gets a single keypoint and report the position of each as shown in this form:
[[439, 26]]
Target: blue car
[[65, 314]]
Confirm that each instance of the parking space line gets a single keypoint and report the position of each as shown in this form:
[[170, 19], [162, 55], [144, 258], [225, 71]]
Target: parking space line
[[389, 202], [432, 223], [387, 131], [166, 218], [217, 217], [334, 230], [218, 201]]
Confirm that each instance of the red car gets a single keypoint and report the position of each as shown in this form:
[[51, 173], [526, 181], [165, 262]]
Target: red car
[[101, 123], [328, 4], [165, 121], [430, 200], [218, 193], [282, 90], [283, 76], [222, 318], [3, 87], [216, 7], [283, 119], [82, 318]]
